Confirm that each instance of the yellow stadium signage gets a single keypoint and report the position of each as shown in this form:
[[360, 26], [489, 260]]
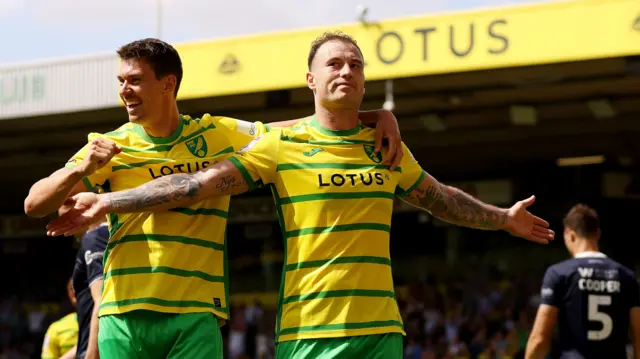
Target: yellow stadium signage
[[422, 45]]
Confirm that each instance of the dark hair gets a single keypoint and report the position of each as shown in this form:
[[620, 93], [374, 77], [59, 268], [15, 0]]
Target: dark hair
[[583, 220], [162, 57], [329, 36]]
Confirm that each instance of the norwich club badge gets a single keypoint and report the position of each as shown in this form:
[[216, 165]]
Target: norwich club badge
[[197, 146], [375, 157]]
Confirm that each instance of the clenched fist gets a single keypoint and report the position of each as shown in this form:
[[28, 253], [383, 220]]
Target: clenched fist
[[100, 152]]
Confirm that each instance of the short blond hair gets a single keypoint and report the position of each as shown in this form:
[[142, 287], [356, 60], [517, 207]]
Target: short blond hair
[[330, 36]]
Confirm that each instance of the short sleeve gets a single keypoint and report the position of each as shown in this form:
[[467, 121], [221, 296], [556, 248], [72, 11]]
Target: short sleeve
[[50, 349], [94, 253], [551, 291], [409, 173], [240, 133], [258, 160], [97, 178]]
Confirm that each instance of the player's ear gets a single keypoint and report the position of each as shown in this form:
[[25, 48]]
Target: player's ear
[[311, 81], [170, 82]]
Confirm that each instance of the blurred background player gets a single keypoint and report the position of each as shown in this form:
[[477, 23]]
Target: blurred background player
[[62, 335], [87, 284], [593, 298]]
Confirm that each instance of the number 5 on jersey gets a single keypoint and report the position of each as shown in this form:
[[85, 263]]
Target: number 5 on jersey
[[595, 315]]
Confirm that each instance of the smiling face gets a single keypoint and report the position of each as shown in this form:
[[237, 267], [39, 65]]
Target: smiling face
[[141, 91], [336, 75]]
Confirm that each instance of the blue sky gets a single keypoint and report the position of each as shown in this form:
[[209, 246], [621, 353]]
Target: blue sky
[[42, 29]]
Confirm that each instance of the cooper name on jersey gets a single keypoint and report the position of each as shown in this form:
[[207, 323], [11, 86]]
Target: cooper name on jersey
[[351, 179], [588, 283], [188, 167]]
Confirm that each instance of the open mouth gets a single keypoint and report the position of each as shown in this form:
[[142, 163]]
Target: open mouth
[[132, 104]]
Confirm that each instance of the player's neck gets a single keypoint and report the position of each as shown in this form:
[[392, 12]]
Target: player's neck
[[166, 124], [586, 246], [337, 119]]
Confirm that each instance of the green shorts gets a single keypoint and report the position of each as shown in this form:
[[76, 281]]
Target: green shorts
[[143, 334], [381, 346]]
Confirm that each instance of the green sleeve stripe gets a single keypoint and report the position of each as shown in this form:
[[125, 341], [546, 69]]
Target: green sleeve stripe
[[341, 326], [338, 294], [244, 172], [87, 184], [166, 238], [335, 195], [201, 211], [400, 192], [267, 127], [338, 228], [163, 303], [166, 270], [338, 260], [344, 166], [225, 151]]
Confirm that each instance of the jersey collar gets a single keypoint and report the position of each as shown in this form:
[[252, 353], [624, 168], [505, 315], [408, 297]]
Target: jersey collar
[[590, 255]]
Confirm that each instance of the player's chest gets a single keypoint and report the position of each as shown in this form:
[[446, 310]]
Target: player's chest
[[334, 168], [133, 169]]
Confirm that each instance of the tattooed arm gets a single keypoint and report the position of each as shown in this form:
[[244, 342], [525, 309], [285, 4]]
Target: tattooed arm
[[178, 190], [452, 205]]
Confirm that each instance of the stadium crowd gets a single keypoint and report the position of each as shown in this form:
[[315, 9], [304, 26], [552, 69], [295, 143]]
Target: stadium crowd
[[486, 316], [444, 318]]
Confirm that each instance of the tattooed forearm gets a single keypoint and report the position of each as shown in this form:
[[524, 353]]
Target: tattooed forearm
[[167, 191], [230, 184], [455, 206]]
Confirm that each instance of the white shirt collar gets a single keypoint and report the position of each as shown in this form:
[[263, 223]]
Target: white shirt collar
[[590, 255]]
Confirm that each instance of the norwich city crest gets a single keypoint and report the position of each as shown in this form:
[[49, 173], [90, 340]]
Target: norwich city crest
[[375, 157], [197, 146]]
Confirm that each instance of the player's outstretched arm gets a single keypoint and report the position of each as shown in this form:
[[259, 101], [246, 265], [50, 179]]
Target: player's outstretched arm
[[540, 338], [453, 205], [163, 193]]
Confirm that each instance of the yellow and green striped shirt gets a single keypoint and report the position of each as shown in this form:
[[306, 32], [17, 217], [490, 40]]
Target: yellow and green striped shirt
[[173, 261], [335, 201], [61, 336]]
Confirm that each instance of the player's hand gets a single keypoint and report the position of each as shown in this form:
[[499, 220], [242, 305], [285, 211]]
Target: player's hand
[[100, 152], [85, 209], [387, 128], [521, 223]]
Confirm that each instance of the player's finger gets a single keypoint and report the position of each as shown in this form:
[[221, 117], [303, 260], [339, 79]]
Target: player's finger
[[540, 222], [63, 229], [378, 143], [528, 202], [54, 227], [543, 233], [392, 151], [534, 238], [397, 159], [107, 145]]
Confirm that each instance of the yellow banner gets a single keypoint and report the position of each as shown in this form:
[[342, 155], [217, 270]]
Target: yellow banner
[[422, 45]]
